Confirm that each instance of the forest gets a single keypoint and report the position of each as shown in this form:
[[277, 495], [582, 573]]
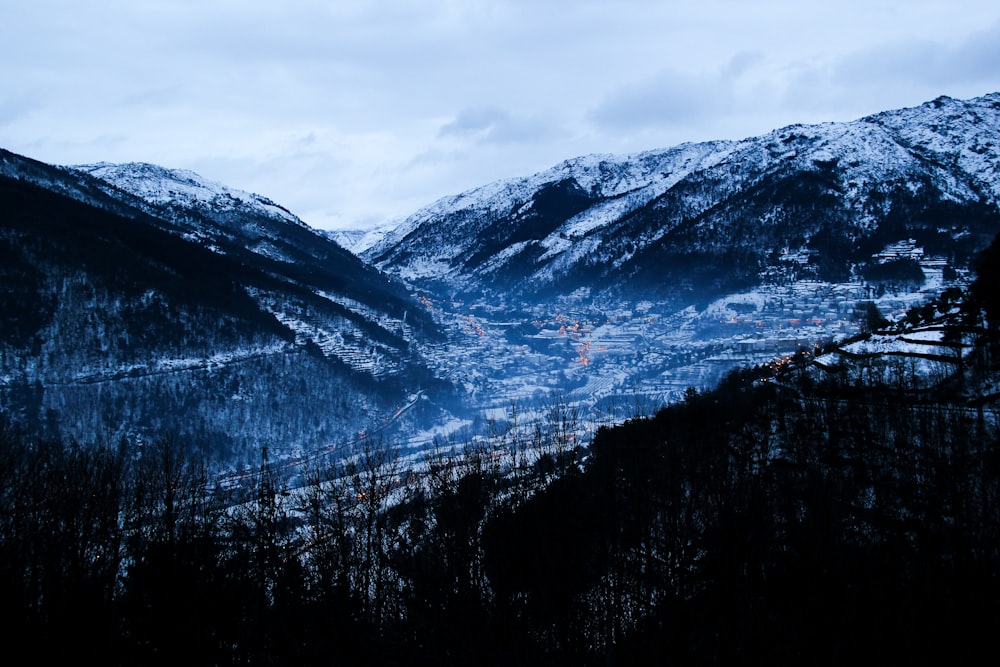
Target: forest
[[787, 516]]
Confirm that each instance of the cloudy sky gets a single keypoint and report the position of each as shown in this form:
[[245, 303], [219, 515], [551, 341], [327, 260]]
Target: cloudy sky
[[355, 112]]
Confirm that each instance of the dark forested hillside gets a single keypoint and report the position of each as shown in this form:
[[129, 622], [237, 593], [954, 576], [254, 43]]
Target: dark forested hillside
[[117, 325], [801, 512]]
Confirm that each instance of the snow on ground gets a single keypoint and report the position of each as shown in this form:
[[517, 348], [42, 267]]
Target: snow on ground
[[649, 351], [882, 344]]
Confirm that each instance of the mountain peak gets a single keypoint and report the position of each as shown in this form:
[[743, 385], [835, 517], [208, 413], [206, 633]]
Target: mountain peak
[[162, 186]]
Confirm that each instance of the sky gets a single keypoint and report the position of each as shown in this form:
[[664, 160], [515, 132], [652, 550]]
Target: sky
[[354, 113]]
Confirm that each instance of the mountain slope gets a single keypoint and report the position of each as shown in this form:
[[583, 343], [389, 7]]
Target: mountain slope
[[698, 220], [120, 322]]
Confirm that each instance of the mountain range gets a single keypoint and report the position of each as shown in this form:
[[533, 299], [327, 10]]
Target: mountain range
[[144, 302]]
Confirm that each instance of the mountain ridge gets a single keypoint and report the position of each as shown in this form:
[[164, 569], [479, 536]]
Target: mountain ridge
[[647, 201]]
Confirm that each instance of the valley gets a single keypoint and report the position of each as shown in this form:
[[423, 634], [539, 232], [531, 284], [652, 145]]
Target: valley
[[614, 361]]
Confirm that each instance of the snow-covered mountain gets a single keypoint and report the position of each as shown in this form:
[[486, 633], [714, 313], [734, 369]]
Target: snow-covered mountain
[[183, 189], [696, 220], [143, 300], [360, 240], [364, 310]]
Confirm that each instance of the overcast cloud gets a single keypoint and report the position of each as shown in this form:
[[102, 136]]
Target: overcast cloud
[[353, 112]]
